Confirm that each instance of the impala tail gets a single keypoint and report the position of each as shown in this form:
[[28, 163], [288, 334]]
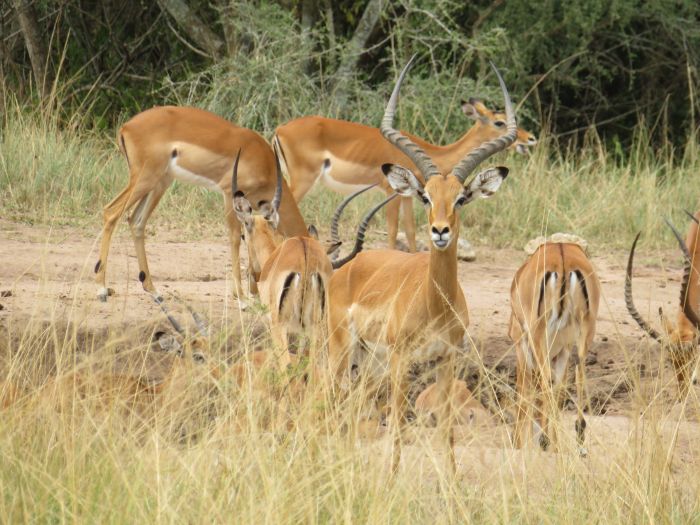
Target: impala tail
[[302, 300], [563, 298]]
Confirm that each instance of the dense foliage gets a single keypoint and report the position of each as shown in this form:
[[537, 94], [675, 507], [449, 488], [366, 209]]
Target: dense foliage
[[609, 64]]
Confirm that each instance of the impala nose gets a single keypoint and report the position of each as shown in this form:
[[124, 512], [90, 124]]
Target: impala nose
[[440, 236]]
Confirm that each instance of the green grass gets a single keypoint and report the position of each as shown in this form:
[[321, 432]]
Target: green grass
[[52, 174]]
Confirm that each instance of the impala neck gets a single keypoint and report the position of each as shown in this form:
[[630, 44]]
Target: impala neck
[[442, 283], [291, 221], [263, 243]]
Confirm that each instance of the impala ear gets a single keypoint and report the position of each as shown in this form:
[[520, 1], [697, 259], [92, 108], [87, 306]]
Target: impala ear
[[402, 180], [485, 184], [270, 213], [333, 247], [313, 232], [243, 209], [469, 110]]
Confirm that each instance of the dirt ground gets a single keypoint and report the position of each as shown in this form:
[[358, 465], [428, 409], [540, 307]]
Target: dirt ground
[[48, 273]]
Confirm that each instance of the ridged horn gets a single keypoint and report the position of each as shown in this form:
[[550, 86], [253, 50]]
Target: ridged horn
[[398, 139], [161, 302], [629, 301], [277, 199], [202, 327], [483, 152], [692, 217], [362, 228], [685, 282], [234, 177], [339, 211]]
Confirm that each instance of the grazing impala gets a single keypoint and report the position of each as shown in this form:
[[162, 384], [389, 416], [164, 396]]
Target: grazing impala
[[293, 274], [411, 306], [554, 299], [683, 338], [167, 143], [346, 156]]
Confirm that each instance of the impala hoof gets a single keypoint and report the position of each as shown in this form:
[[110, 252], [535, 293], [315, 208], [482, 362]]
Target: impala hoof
[[583, 452], [103, 293]]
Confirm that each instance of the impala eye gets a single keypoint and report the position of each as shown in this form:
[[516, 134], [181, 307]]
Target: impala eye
[[500, 124], [426, 200], [460, 201]]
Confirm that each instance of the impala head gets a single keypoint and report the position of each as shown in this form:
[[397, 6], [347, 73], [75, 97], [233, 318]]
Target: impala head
[[193, 348], [444, 195], [682, 340], [492, 124], [261, 224]]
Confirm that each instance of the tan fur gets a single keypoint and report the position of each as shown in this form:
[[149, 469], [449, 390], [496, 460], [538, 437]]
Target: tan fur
[[683, 333], [546, 331], [204, 145], [357, 152], [410, 303], [467, 409], [273, 260]]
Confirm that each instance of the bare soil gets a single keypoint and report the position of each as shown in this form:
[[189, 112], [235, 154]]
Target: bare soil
[[46, 276]]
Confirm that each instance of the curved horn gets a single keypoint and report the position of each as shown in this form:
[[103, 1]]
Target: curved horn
[[161, 302], [277, 199], [692, 217], [629, 301], [339, 211], [483, 152], [202, 328], [685, 282], [234, 177], [398, 139], [362, 228]]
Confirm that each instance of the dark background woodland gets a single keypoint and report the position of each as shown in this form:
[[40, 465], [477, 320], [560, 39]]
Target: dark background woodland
[[623, 67]]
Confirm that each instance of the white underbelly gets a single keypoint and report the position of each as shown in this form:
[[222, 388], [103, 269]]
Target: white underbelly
[[338, 166]]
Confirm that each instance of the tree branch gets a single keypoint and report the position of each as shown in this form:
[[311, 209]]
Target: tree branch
[[191, 24], [355, 48]]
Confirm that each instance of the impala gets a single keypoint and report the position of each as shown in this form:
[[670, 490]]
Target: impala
[[683, 338], [346, 156], [554, 299], [192, 145], [292, 274], [468, 410], [411, 306]]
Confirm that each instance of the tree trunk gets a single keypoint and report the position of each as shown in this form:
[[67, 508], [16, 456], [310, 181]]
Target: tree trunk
[[355, 48], [38, 56], [195, 29], [308, 19]]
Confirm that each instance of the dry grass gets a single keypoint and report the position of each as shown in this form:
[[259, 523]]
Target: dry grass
[[212, 449]]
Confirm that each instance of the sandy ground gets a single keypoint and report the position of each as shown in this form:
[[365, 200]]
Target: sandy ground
[[49, 276]]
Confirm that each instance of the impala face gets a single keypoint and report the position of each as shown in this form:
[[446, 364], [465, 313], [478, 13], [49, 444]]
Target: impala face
[[444, 196], [495, 121]]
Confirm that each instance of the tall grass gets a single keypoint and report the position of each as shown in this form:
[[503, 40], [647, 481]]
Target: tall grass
[[204, 453], [64, 175]]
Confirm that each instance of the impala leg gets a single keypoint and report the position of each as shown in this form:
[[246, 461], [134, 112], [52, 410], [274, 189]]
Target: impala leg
[[301, 181], [546, 403], [399, 405], [559, 385], [444, 386], [523, 421], [409, 224], [392, 222], [581, 394], [137, 223], [339, 347], [111, 214], [234, 237]]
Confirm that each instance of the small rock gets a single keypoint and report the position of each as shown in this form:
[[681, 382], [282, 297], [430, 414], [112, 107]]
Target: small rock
[[465, 251], [591, 359], [6, 293]]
